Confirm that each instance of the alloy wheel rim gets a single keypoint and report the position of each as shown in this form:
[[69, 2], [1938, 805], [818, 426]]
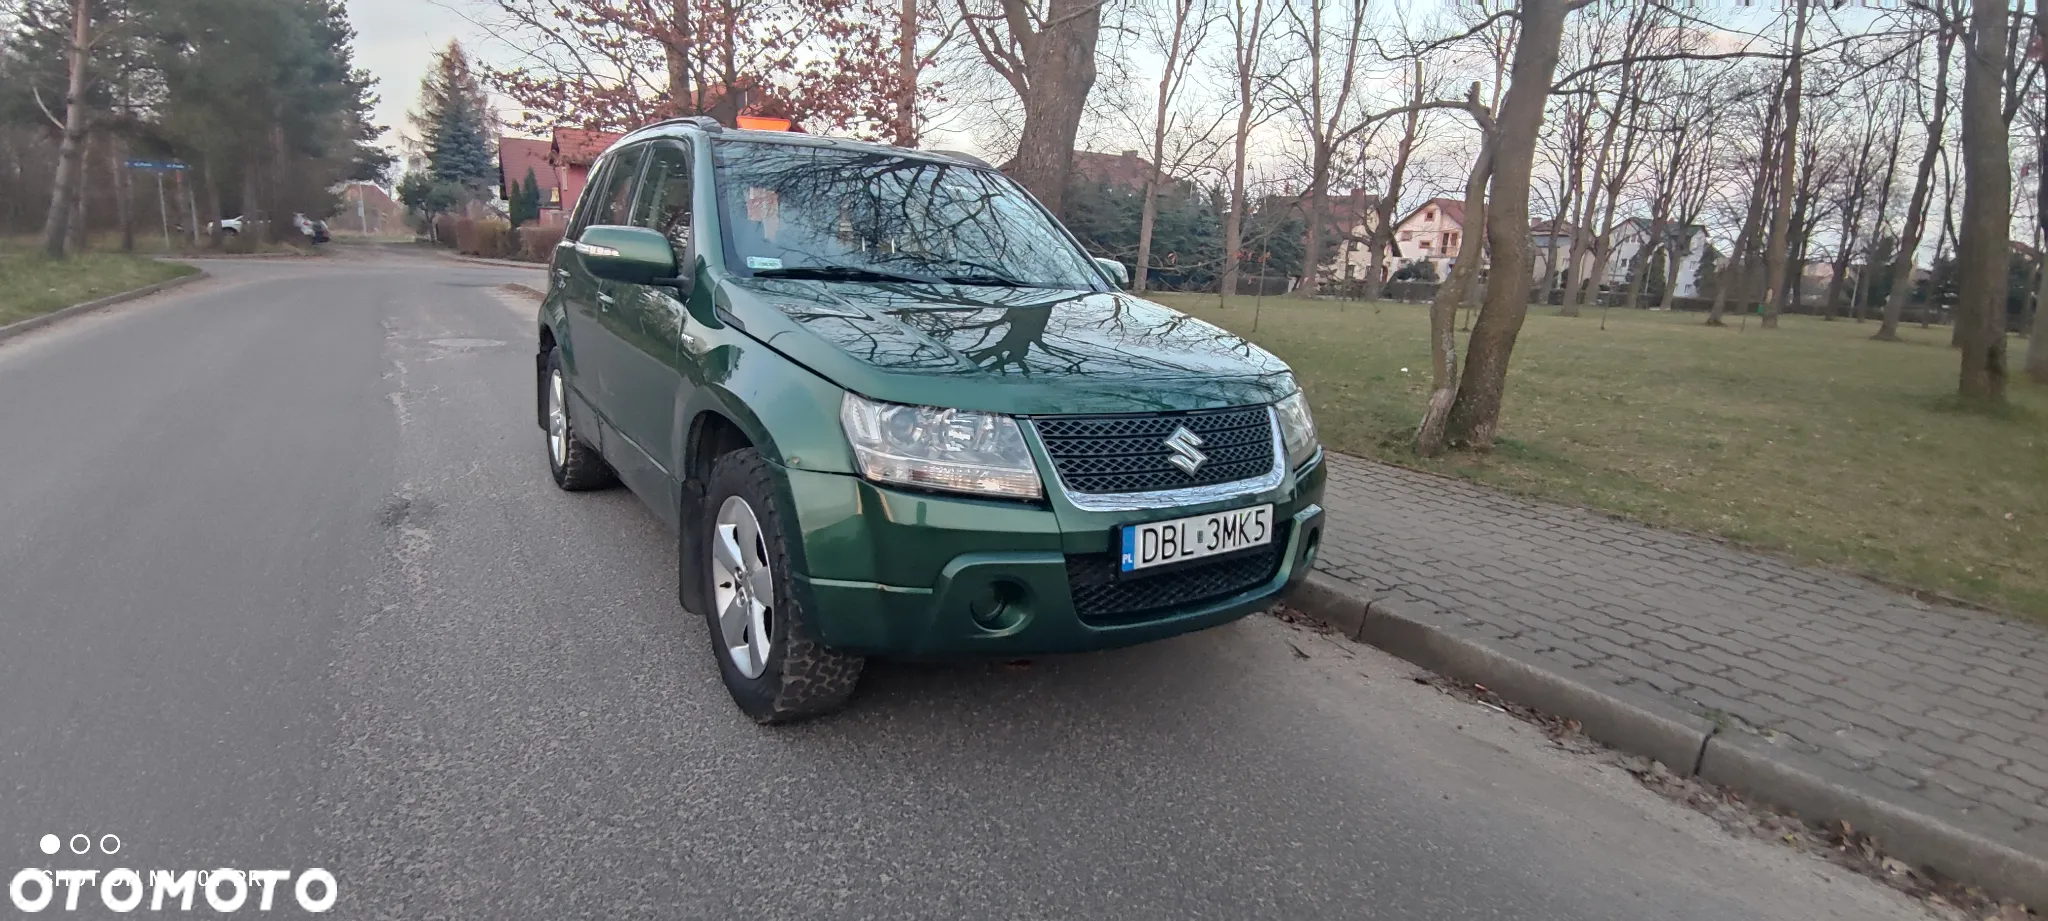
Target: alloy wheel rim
[[743, 587], [558, 422]]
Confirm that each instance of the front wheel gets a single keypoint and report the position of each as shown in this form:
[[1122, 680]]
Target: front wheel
[[774, 669], [575, 465]]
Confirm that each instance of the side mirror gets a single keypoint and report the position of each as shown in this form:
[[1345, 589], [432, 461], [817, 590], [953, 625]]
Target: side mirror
[[631, 255], [1116, 271]]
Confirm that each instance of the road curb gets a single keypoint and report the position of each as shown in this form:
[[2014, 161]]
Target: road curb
[[32, 324], [480, 260], [1907, 827]]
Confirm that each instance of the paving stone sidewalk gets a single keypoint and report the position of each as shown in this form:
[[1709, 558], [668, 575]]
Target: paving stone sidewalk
[[1931, 700]]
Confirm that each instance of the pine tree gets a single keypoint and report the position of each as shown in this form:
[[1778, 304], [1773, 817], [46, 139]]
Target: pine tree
[[455, 122]]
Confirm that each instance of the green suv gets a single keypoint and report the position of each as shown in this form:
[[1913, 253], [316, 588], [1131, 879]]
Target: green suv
[[892, 408]]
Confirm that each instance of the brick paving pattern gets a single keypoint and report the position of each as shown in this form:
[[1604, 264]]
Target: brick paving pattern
[[1948, 704]]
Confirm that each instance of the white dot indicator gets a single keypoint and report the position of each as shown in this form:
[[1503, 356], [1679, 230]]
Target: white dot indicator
[[50, 844]]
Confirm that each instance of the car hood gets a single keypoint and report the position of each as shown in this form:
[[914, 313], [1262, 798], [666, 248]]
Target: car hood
[[1012, 350]]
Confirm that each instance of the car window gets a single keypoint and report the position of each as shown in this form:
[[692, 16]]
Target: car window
[[664, 200], [587, 204], [615, 198], [787, 208]]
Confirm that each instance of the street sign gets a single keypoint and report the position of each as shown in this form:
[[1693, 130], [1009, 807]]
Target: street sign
[[156, 165]]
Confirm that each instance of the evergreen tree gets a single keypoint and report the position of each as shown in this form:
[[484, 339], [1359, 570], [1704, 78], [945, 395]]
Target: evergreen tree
[[455, 123]]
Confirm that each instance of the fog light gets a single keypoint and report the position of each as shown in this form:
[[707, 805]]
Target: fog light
[[997, 606]]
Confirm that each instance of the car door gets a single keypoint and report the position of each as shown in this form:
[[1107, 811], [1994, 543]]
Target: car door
[[654, 372], [594, 324]]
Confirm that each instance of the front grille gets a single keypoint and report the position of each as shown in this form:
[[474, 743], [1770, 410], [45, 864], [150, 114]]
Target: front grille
[[1120, 454], [1102, 597]]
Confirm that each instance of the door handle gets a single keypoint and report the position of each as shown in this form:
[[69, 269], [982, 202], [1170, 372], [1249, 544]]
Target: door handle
[[605, 300], [562, 274]]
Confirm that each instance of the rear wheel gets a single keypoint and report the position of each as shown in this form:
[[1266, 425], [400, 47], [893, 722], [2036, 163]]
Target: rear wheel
[[774, 669], [576, 465]]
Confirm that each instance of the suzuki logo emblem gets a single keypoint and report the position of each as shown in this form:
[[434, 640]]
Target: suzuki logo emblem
[[1185, 446]]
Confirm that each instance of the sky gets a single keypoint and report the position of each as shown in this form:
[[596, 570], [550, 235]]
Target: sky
[[394, 41]]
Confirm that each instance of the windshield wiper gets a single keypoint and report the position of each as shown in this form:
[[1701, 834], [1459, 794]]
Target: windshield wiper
[[986, 280], [838, 273]]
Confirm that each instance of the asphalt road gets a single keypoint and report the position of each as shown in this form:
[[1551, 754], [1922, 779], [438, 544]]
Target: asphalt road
[[283, 583]]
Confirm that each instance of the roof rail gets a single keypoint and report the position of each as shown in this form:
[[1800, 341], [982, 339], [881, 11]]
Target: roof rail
[[705, 122], [959, 155]]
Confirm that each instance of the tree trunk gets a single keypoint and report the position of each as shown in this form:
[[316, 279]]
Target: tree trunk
[[78, 195], [2037, 351], [1583, 242], [1312, 238], [1984, 248], [1233, 222], [1061, 59], [217, 232], [1443, 311], [1639, 264], [2037, 327], [1916, 209], [1475, 415], [676, 54], [1781, 216], [70, 152], [124, 197], [906, 76], [1673, 263]]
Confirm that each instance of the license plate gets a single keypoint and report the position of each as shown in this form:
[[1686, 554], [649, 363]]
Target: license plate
[[1158, 543]]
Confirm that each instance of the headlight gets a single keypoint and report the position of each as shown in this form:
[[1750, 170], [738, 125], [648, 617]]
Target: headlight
[[952, 449], [1297, 428]]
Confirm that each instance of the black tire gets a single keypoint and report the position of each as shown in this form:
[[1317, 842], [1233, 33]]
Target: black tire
[[802, 678], [579, 467]]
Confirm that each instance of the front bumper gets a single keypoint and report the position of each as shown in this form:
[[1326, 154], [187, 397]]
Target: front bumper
[[917, 575]]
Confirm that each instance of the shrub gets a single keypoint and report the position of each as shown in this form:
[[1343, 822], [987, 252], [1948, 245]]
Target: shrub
[[537, 242], [491, 238], [445, 229]]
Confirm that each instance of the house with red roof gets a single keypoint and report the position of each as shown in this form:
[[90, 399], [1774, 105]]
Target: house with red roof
[[1430, 233], [517, 157], [572, 151]]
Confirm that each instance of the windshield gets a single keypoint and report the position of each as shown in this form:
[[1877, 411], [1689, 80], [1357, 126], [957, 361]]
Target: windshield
[[856, 215]]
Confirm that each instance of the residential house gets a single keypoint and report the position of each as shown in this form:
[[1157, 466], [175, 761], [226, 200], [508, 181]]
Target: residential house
[[1690, 244], [1554, 236], [1124, 170], [1347, 220], [1351, 219], [518, 157], [1430, 233], [572, 151], [367, 209]]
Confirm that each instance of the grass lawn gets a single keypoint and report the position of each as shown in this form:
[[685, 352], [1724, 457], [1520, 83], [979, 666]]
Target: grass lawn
[[31, 285], [1810, 439]]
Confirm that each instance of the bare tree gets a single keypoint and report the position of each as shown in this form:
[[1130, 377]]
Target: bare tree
[[1685, 126], [1984, 249], [1775, 250], [2037, 350], [1475, 412], [1935, 118], [1320, 89], [1380, 235], [1760, 174], [1046, 52], [1614, 158], [1179, 39], [1452, 294], [1248, 37]]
